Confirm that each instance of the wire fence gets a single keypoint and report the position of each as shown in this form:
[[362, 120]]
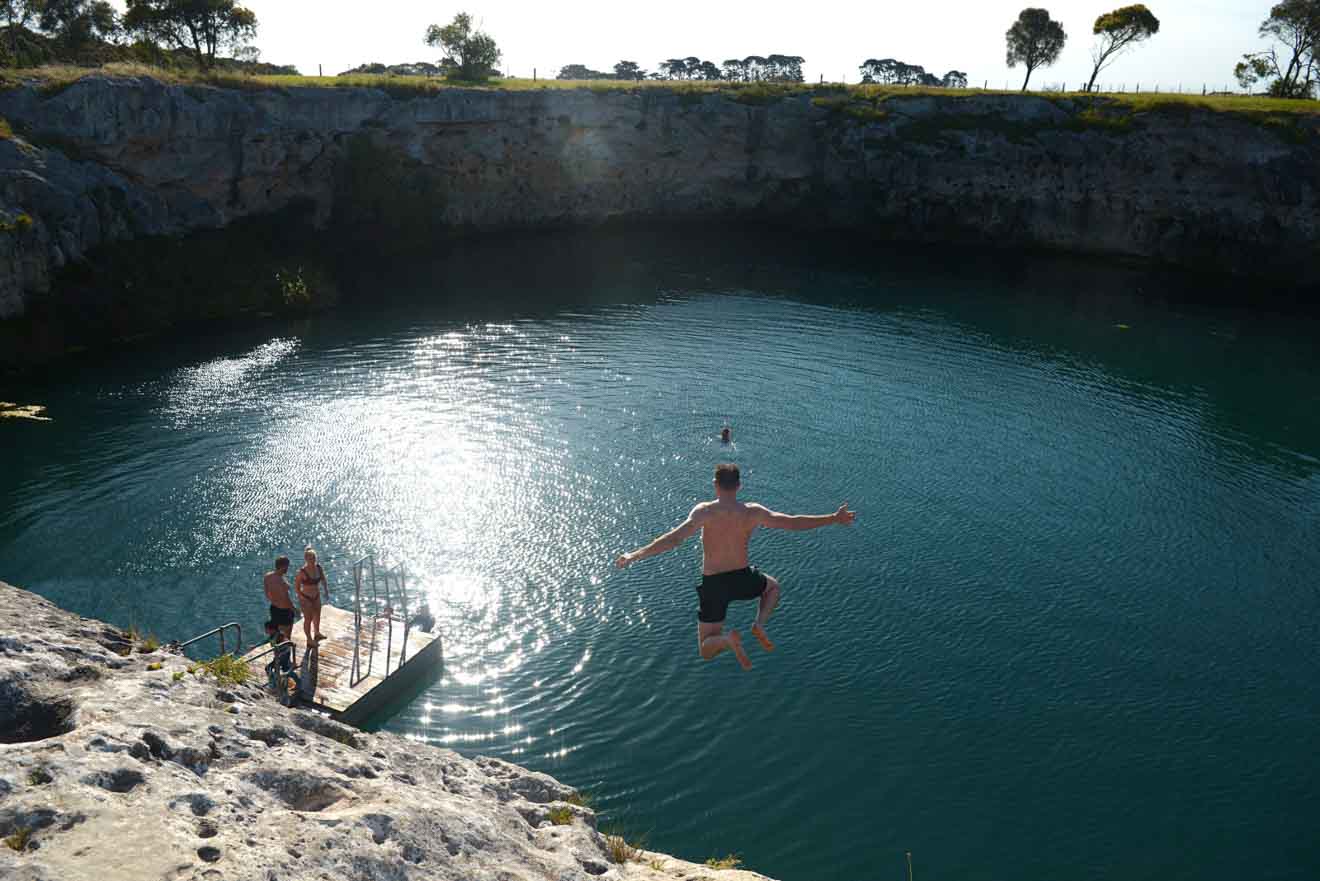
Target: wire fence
[[1204, 89]]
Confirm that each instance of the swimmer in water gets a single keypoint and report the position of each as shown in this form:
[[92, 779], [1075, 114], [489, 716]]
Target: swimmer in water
[[726, 525], [725, 435]]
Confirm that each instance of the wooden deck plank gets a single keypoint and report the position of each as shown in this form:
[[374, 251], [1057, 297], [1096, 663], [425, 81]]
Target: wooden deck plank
[[327, 672]]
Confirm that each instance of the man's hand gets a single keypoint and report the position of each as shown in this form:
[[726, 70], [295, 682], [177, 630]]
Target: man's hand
[[844, 516], [624, 560]]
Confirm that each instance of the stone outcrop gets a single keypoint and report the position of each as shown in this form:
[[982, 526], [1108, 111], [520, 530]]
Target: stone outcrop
[[104, 159], [116, 764]]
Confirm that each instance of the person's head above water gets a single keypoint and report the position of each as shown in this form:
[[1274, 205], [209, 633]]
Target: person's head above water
[[724, 434], [727, 478]]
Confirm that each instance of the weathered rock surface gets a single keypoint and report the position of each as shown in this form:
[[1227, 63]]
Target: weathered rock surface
[[105, 159], [110, 770]]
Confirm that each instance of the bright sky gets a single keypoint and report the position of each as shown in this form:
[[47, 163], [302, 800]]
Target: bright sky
[[1199, 40]]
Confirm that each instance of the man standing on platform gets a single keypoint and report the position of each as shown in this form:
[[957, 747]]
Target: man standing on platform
[[277, 594]]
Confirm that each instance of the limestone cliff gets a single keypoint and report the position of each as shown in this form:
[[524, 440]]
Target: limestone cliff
[[103, 160], [110, 769]]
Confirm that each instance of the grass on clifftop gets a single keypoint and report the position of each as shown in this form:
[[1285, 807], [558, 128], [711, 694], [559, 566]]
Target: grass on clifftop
[[57, 77]]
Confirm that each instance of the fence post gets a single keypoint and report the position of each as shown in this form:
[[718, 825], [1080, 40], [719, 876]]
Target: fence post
[[320, 71]]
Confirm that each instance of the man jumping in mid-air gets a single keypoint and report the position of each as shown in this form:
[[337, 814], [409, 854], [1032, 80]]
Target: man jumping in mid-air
[[726, 526]]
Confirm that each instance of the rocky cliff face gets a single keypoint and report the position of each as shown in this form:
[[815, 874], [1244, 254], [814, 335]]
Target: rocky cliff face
[[104, 160], [110, 769]]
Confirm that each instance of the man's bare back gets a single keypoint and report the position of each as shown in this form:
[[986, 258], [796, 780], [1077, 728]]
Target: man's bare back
[[277, 594], [726, 526]]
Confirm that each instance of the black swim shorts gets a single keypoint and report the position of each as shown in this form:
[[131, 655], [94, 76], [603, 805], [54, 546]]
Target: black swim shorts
[[717, 591], [281, 617]]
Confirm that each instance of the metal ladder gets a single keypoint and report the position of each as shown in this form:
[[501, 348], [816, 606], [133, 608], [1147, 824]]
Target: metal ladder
[[376, 591]]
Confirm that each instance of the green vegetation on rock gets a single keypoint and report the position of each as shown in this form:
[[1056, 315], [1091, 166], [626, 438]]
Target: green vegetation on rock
[[18, 839], [227, 669]]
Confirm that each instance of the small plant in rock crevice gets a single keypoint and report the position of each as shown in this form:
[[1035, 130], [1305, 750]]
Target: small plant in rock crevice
[[561, 816], [620, 849], [732, 861], [18, 839], [227, 669], [581, 799]]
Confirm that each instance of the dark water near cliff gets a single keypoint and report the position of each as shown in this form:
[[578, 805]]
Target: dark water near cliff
[[1072, 635]]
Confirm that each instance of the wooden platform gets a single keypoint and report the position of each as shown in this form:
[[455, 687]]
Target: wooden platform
[[327, 670]]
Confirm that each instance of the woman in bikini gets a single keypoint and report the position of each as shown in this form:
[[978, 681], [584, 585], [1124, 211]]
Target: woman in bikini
[[308, 584]]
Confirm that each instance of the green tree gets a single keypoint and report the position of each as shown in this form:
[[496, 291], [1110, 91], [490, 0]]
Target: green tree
[[674, 69], [628, 70], [76, 23], [203, 27], [785, 68], [1294, 25], [18, 13], [954, 79], [1035, 40], [469, 54], [1119, 30], [582, 72]]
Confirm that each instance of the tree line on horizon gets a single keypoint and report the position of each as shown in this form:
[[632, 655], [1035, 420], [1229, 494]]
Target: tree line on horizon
[[198, 33], [752, 69]]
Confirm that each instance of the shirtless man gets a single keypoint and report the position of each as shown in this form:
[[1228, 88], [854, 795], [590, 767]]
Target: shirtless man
[[726, 525], [277, 593]]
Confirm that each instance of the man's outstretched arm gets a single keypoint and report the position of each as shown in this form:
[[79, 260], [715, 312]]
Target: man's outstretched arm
[[775, 520], [667, 542]]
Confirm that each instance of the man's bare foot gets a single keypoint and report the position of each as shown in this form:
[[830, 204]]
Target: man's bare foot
[[735, 641], [764, 640]]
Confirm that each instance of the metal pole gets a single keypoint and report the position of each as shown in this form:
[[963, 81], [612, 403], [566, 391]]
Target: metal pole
[[389, 624], [403, 595], [357, 619]]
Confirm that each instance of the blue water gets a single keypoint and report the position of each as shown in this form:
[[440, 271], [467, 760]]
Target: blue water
[[1073, 633]]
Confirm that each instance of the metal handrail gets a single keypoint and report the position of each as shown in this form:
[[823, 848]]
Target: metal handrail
[[287, 643], [282, 675], [221, 631]]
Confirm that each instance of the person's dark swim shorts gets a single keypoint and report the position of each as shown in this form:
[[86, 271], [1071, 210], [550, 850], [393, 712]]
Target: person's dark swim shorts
[[717, 591], [281, 617]]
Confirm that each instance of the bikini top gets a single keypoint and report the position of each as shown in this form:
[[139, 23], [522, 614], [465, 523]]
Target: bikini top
[[313, 579]]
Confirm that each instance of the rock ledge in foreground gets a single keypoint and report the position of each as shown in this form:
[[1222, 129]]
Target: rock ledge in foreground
[[109, 770]]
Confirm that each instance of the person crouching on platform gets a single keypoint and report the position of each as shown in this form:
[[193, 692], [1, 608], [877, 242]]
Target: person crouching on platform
[[277, 594], [310, 580]]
